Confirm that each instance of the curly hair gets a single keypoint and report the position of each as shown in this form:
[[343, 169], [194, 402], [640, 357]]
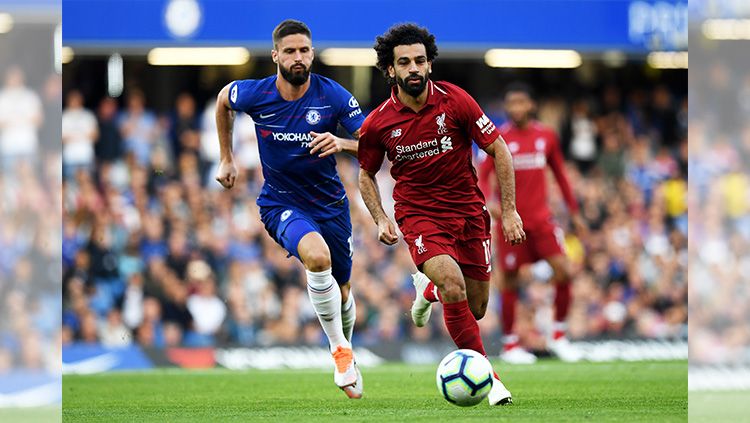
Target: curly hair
[[402, 35]]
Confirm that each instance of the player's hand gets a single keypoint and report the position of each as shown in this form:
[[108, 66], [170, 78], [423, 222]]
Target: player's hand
[[513, 228], [227, 173], [325, 143], [580, 226], [387, 231]]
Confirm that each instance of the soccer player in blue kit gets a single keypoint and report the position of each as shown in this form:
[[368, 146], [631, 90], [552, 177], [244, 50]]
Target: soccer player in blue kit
[[303, 204]]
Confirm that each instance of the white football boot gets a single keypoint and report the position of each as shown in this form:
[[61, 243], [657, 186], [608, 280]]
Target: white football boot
[[499, 394], [421, 308]]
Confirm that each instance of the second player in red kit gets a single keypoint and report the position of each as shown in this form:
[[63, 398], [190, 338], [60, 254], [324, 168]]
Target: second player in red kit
[[534, 147], [425, 129]]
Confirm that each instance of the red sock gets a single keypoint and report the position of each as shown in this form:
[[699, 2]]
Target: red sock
[[562, 305], [509, 299], [462, 326], [432, 293]]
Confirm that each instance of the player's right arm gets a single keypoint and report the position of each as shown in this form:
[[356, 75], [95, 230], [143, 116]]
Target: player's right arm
[[368, 188], [227, 173], [371, 153]]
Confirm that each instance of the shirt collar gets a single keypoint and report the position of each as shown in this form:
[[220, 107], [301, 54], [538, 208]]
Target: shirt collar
[[431, 97]]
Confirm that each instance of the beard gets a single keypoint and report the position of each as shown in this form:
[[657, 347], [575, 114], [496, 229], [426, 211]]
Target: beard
[[295, 77], [412, 90]]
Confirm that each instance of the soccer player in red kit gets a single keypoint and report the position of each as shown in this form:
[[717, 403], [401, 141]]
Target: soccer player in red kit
[[534, 147], [425, 128]]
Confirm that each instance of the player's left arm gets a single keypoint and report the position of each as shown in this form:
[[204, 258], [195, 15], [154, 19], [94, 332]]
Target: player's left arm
[[484, 133], [506, 179], [326, 144], [557, 164]]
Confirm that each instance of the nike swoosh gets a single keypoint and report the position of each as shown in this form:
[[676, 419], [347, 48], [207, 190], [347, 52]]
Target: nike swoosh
[[266, 116], [96, 364]]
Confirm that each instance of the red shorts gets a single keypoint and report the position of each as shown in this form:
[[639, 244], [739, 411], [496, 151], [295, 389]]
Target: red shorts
[[467, 240], [543, 240]]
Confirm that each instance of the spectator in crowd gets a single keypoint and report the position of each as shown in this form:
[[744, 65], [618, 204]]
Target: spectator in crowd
[[138, 127], [20, 120], [109, 145], [79, 134]]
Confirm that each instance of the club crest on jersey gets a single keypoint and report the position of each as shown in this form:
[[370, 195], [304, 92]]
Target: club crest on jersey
[[420, 245], [513, 147], [312, 117], [440, 120], [540, 143]]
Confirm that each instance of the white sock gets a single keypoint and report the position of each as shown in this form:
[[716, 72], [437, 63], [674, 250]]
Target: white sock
[[325, 296], [348, 316]]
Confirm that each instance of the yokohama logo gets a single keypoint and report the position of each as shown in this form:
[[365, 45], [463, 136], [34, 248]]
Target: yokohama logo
[[292, 136]]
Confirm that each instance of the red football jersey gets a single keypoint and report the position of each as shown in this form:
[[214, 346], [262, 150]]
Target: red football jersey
[[533, 148], [430, 151]]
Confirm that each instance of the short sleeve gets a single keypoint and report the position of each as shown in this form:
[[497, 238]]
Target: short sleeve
[[242, 94], [349, 113], [481, 129], [370, 151]]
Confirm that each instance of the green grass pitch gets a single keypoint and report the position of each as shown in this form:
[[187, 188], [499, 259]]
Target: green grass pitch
[[549, 391]]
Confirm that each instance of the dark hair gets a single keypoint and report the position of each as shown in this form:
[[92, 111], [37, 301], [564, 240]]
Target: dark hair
[[289, 27], [519, 87], [402, 35]]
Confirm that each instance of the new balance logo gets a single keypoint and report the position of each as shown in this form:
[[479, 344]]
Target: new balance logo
[[420, 245], [396, 133]]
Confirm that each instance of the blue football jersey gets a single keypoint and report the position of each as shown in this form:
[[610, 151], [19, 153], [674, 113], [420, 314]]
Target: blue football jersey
[[293, 176]]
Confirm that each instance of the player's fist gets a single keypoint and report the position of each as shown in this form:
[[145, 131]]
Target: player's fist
[[227, 173], [513, 228], [387, 231]]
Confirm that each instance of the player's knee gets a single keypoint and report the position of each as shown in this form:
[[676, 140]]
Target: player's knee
[[453, 289], [318, 261], [478, 309]]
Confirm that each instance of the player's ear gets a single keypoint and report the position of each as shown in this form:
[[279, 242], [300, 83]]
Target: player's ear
[[391, 71], [275, 56]]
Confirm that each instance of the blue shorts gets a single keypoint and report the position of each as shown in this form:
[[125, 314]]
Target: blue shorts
[[288, 225]]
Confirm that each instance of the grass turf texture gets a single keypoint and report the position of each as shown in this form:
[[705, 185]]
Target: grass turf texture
[[547, 391], [711, 407]]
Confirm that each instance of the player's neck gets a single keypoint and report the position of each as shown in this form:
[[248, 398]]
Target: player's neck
[[523, 124], [291, 92], [414, 103]]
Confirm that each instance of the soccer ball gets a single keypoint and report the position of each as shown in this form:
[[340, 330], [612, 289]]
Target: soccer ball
[[464, 377]]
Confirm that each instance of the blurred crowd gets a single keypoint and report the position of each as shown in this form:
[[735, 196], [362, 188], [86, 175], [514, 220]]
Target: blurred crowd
[[719, 247], [156, 252], [30, 187]]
